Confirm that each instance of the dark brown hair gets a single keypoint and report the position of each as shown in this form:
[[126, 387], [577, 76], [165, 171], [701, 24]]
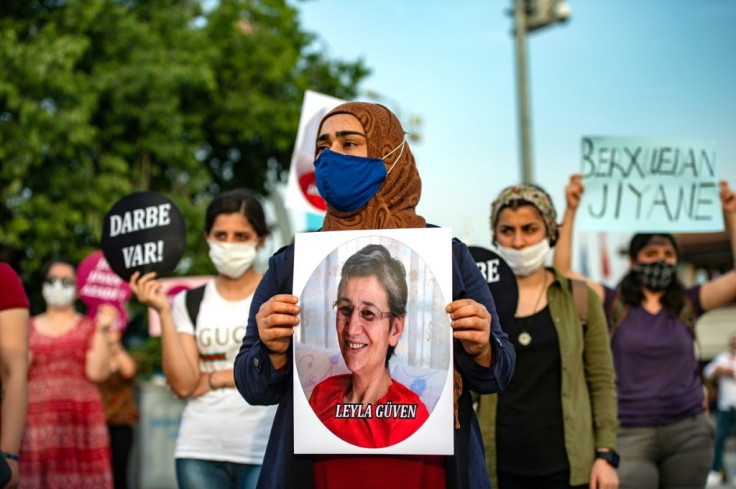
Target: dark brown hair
[[237, 201]]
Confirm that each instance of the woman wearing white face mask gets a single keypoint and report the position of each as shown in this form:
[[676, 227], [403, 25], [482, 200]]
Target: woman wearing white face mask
[[65, 442], [221, 439], [555, 424]]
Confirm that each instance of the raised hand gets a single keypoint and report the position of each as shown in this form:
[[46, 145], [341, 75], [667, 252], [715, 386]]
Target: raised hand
[[106, 315], [728, 198], [574, 191]]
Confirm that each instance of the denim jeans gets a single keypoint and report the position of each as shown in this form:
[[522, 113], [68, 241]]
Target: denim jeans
[[725, 423], [192, 473]]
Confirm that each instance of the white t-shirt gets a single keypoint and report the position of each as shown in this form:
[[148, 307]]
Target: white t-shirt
[[220, 425], [726, 384]]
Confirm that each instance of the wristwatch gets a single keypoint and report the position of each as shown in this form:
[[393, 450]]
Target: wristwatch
[[610, 456]]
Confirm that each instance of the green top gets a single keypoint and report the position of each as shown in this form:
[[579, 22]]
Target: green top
[[589, 405]]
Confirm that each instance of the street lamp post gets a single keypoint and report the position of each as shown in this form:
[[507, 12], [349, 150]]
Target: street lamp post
[[523, 97], [530, 15]]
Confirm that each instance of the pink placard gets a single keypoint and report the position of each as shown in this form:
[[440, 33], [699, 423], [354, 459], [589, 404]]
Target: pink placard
[[171, 287], [97, 284]]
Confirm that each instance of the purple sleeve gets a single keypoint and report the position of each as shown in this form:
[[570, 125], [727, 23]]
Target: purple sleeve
[[609, 295], [693, 293]]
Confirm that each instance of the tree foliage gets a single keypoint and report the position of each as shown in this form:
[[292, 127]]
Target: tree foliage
[[99, 98]]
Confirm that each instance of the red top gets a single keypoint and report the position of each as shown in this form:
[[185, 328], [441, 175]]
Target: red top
[[391, 419], [379, 471], [12, 294]]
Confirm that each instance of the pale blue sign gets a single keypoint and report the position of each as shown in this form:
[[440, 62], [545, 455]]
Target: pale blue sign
[[649, 185]]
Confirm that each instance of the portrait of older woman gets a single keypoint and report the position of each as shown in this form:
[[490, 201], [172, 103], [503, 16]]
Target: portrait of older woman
[[367, 407]]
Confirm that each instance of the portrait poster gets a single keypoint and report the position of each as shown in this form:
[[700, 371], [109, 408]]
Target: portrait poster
[[353, 314], [301, 188], [649, 185]]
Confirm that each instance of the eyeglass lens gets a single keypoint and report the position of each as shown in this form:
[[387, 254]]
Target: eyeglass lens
[[66, 282], [367, 314]]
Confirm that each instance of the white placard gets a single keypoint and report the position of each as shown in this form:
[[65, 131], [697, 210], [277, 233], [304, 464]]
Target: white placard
[[637, 184], [301, 190]]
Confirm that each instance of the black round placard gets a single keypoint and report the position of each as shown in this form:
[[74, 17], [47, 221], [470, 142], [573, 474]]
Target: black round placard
[[143, 231], [501, 281]]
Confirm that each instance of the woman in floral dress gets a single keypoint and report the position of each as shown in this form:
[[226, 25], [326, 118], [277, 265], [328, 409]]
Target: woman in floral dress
[[66, 443]]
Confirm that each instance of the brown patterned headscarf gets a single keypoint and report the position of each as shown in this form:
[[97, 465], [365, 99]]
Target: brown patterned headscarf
[[394, 204]]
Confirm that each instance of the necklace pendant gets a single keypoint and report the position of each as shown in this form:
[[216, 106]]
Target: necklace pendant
[[525, 338]]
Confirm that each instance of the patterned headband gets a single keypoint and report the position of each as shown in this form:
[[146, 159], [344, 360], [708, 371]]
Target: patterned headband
[[530, 194]]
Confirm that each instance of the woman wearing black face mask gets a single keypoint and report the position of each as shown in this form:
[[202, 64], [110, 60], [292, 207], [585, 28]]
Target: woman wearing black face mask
[[664, 439]]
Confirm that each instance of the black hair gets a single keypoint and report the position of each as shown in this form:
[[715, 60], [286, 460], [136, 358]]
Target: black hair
[[240, 201], [375, 260], [630, 286]]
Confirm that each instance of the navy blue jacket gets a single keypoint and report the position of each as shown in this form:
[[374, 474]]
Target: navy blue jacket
[[260, 384]]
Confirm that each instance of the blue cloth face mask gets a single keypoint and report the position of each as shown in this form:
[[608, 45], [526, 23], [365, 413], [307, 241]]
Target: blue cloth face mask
[[348, 182]]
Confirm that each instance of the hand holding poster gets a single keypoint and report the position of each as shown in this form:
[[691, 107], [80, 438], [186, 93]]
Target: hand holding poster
[[373, 323], [645, 184], [144, 232]]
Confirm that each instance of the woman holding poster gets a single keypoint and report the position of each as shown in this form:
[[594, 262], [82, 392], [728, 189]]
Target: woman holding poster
[[221, 439], [372, 295], [664, 439], [555, 425], [66, 443], [367, 175]]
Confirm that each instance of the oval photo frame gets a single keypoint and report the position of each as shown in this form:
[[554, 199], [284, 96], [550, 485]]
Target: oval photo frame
[[421, 359]]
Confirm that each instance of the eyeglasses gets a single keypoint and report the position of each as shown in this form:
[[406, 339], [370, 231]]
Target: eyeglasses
[[66, 282], [367, 314]]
